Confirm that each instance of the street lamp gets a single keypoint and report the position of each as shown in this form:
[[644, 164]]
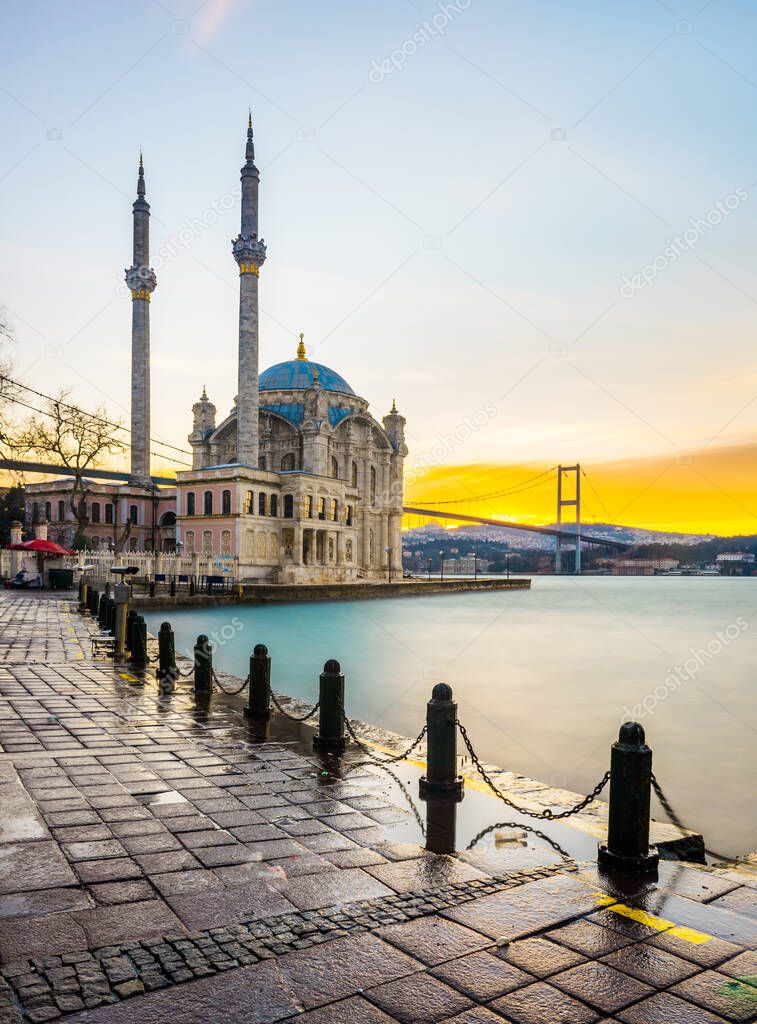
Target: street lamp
[[389, 562], [475, 565], [507, 563], [428, 566], [441, 570]]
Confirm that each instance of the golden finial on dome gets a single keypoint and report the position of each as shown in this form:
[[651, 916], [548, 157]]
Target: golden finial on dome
[[394, 405], [315, 375], [301, 348], [204, 392]]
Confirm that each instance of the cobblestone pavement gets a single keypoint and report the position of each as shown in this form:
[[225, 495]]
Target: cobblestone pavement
[[156, 862]]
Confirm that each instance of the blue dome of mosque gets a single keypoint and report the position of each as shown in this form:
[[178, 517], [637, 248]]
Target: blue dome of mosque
[[297, 375]]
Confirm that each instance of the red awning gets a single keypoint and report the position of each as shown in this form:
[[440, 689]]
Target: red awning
[[45, 547]]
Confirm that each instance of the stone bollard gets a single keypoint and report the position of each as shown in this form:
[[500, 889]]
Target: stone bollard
[[166, 670], [203, 667], [139, 643], [330, 735], [131, 617], [259, 698], [441, 778], [627, 847]]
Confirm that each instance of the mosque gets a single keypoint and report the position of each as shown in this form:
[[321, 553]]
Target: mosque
[[298, 481]]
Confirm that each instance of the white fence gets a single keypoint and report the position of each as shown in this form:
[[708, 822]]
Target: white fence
[[159, 564]]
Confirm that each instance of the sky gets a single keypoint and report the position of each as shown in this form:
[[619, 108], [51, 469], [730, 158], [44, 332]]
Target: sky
[[533, 224]]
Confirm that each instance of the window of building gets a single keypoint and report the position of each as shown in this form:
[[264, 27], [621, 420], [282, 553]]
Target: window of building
[[191, 503], [287, 463], [334, 510], [133, 544], [373, 485], [309, 506], [207, 503], [263, 462], [274, 505], [321, 508], [61, 510], [48, 510], [249, 505], [261, 503], [354, 474], [289, 506], [349, 515], [207, 542], [189, 542], [95, 512], [109, 512], [225, 542], [35, 512], [348, 550], [133, 514], [226, 503], [335, 467]]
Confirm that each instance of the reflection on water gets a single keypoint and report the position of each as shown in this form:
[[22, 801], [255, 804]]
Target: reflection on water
[[542, 677]]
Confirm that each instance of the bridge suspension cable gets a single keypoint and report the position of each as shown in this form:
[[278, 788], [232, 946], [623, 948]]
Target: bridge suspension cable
[[525, 485]]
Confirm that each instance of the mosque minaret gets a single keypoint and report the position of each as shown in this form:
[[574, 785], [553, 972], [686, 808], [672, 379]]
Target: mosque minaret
[[299, 483]]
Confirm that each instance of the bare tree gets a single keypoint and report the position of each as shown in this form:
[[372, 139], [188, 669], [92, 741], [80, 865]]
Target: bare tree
[[79, 440]]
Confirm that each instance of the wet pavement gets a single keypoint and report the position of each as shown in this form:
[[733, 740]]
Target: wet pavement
[[160, 860]]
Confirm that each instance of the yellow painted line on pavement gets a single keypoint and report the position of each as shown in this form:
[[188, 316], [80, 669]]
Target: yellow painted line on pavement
[[660, 924], [127, 677]]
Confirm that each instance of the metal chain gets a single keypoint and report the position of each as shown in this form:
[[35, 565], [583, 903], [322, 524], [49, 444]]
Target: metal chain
[[187, 674], [373, 754], [288, 714], [547, 814], [220, 685], [668, 808], [527, 828]]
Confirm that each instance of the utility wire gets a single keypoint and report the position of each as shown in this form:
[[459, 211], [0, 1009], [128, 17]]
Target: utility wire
[[524, 485], [596, 495], [92, 416]]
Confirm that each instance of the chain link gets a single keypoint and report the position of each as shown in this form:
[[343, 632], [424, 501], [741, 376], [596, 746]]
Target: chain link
[[288, 714], [373, 754], [220, 685], [526, 828], [547, 814]]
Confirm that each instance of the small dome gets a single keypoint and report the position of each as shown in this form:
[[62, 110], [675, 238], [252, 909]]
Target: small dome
[[297, 375]]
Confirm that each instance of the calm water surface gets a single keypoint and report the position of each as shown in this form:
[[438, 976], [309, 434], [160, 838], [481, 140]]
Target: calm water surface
[[543, 677]]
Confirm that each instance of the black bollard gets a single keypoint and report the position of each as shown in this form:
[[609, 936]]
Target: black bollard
[[330, 735], [166, 671], [259, 698], [203, 666], [139, 643], [441, 778], [82, 594], [627, 847], [102, 611], [441, 824], [131, 616], [152, 588], [192, 587], [110, 620], [172, 590]]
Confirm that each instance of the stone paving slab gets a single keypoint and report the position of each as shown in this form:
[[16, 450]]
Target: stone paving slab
[[156, 863]]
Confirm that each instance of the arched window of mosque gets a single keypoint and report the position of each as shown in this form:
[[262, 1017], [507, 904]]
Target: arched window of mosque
[[274, 546], [289, 506], [48, 511], [263, 462], [287, 463], [249, 505], [309, 506], [372, 548], [354, 474], [207, 503], [349, 515], [274, 504], [95, 511], [335, 467], [191, 503], [261, 503], [373, 485], [261, 545], [225, 542], [189, 544], [133, 514], [226, 503], [334, 510], [35, 511], [321, 508], [61, 510], [207, 542]]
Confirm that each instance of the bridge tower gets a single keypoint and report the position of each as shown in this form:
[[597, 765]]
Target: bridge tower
[[562, 503]]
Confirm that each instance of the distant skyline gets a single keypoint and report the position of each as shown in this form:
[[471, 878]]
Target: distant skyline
[[534, 226]]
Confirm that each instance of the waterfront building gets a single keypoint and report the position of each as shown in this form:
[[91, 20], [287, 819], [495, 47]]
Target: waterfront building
[[297, 483]]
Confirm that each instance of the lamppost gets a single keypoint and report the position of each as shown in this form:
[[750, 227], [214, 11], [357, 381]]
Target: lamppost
[[441, 570], [428, 566], [507, 563], [389, 562], [475, 565]]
